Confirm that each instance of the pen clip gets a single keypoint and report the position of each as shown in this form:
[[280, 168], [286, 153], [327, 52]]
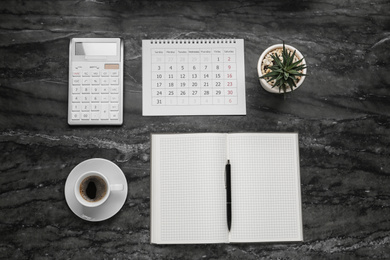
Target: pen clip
[[228, 163], [225, 177]]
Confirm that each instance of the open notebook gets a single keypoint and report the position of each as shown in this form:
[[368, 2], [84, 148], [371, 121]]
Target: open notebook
[[188, 196]]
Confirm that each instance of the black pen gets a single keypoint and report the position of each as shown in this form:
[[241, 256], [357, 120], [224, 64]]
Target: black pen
[[228, 196]]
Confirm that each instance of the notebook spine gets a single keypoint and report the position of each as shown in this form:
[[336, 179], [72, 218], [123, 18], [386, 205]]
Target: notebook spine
[[193, 41]]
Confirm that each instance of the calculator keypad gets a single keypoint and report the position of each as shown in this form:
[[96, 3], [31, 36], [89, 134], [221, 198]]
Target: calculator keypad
[[95, 96]]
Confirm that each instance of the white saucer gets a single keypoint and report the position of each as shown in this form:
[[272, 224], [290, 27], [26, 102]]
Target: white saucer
[[114, 202]]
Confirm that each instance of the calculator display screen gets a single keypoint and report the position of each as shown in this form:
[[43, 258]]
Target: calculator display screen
[[96, 48]]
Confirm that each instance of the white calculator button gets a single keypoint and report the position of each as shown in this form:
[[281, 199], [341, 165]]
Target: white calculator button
[[96, 107], [75, 90], [85, 116], [95, 115], [76, 81], [75, 107], [105, 73], [75, 116], [105, 81], [114, 98], [95, 81], [76, 98], [114, 115], [85, 98], [86, 90], [114, 73], [95, 73], [114, 89], [86, 107], [104, 98], [95, 98], [114, 81], [105, 90], [86, 74], [76, 74], [104, 111], [114, 107], [95, 90], [86, 81]]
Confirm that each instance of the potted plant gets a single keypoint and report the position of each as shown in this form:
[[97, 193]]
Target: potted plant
[[281, 69]]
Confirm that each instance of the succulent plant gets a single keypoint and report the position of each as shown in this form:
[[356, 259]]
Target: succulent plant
[[285, 72]]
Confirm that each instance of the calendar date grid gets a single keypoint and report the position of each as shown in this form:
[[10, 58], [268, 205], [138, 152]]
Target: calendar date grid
[[182, 77]]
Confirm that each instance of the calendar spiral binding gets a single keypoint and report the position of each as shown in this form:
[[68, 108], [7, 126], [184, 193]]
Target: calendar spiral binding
[[194, 41]]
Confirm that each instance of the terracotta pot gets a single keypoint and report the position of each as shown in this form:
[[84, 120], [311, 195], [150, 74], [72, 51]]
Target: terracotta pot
[[268, 87]]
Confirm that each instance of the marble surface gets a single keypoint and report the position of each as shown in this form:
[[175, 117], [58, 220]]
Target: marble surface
[[342, 114]]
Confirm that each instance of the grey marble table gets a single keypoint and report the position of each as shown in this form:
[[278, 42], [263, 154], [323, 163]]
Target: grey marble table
[[341, 112]]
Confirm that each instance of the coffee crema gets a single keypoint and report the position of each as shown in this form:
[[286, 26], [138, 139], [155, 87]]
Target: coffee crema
[[93, 188]]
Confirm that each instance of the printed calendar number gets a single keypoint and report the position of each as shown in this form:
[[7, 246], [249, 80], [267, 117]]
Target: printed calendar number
[[182, 84], [205, 76], [231, 100], [217, 84], [194, 75], [206, 92], [218, 92], [158, 101], [194, 84], [172, 101], [230, 83]]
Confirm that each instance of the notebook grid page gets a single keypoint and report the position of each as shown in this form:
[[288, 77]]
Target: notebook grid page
[[193, 206], [264, 187]]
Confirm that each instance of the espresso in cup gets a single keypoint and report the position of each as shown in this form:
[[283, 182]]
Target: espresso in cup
[[93, 188]]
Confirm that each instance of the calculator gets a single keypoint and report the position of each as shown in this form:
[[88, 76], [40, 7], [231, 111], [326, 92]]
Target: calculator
[[95, 94]]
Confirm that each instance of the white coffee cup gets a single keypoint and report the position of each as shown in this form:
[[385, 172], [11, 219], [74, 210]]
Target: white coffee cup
[[92, 189]]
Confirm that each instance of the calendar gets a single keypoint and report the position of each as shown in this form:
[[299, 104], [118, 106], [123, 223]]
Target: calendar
[[193, 77]]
